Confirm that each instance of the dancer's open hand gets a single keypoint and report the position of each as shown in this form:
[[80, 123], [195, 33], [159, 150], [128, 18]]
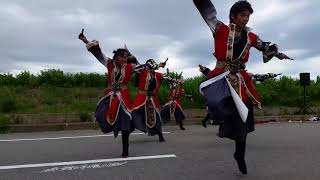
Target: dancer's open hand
[[282, 56]]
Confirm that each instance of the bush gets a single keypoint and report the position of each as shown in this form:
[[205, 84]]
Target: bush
[[6, 79], [47, 92], [4, 124], [52, 77], [8, 104], [85, 117], [24, 78]]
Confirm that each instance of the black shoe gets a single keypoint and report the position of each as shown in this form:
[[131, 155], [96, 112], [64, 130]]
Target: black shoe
[[241, 164], [204, 124], [161, 139], [182, 128], [125, 154]]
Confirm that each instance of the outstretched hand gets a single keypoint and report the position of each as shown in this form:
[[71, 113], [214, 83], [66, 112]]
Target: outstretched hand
[[283, 56], [201, 68], [163, 64]]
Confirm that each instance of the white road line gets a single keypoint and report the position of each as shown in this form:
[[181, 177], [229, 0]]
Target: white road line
[[70, 137], [86, 162], [84, 166]]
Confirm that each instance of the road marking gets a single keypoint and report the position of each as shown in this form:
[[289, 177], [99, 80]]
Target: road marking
[[23, 166], [83, 167], [290, 121], [70, 137]]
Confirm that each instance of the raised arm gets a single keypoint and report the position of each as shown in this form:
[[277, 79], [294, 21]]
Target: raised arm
[[264, 77], [150, 64], [139, 68], [269, 50], [168, 78], [204, 70], [94, 48], [208, 13]]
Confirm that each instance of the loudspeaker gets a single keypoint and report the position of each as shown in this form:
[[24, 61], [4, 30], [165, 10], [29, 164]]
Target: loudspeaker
[[304, 79]]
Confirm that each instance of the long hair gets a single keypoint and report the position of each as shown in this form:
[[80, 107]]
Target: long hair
[[239, 7]]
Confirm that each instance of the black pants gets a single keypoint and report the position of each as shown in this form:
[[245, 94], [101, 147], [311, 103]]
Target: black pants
[[125, 143], [239, 156], [240, 149], [181, 125]]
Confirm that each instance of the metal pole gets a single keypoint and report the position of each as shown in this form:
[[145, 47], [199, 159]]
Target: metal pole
[[304, 100]]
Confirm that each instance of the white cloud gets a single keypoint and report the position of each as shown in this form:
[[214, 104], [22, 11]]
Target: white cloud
[[283, 35], [15, 13], [296, 52], [85, 17], [273, 10], [173, 52]]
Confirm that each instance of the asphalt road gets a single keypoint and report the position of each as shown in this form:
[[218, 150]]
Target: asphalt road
[[274, 151]]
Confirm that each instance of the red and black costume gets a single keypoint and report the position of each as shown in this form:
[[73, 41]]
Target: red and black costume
[[232, 53], [113, 109], [229, 89], [146, 109], [173, 107]]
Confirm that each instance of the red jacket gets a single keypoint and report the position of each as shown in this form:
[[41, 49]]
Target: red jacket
[[116, 97], [175, 94], [221, 36], [141, 97]]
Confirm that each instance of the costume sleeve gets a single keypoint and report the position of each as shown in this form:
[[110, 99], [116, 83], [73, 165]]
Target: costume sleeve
[[139, 68], [94, 48], [268, 50], [208, 13], [168, 78]]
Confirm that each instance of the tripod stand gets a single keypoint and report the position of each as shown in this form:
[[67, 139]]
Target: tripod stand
[[305, 81], [305, 109]]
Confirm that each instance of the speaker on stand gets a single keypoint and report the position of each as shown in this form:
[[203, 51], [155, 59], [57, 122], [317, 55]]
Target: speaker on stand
[[305, 81]]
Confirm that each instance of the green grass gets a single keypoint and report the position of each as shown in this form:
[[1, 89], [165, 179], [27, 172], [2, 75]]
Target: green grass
[[54, 91]]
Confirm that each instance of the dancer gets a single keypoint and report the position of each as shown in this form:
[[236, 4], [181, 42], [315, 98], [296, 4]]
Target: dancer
[[146, 109], [229, 89], [174, 107], [113, 109]]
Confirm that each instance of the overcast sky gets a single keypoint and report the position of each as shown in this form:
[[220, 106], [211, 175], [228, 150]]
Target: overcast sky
[[42, 34]]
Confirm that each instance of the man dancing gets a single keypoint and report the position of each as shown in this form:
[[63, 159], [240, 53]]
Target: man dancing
[[113, 109], [173, 107], [146, 109], [229, 89]]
